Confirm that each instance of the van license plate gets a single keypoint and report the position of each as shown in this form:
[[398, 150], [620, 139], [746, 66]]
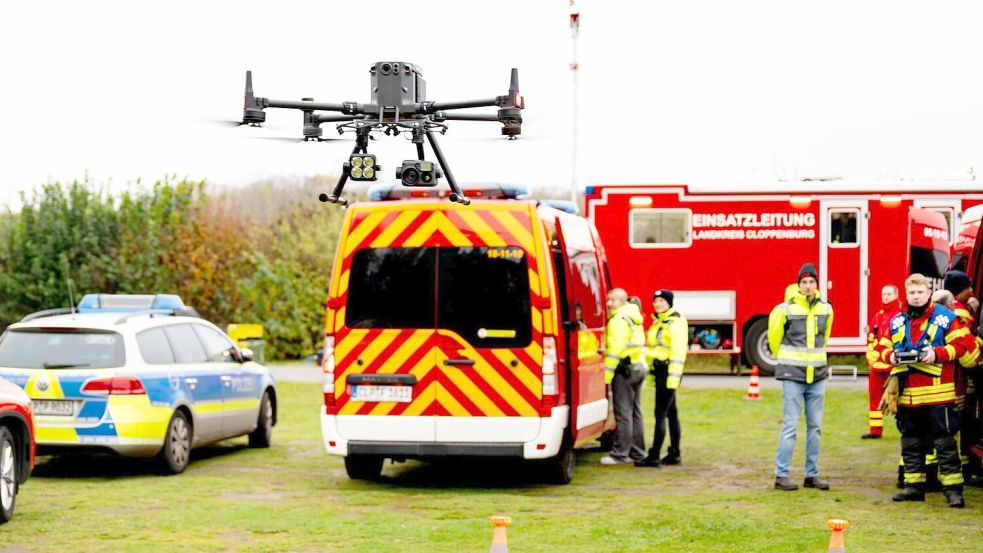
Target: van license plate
[[370, 392], [53, 407]]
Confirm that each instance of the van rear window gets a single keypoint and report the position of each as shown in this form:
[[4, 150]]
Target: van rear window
[[391, 288], [30, 348], [482, 293]]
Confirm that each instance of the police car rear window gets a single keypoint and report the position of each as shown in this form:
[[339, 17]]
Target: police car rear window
[[482, 293], [39, 348]]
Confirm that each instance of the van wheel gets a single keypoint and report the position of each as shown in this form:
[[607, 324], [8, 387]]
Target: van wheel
[[176, 454], [560, 468], [757, 350], [8, 474], [363, 467], [263, 434]]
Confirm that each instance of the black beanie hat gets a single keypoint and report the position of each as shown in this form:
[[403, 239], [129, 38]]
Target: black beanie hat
[[808, 269], [664, 294], [956, 281]]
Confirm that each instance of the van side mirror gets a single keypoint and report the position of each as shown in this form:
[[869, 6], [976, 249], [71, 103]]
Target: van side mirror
[[247, 354]]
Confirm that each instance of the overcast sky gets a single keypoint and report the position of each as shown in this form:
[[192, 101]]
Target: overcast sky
[[669, 91]]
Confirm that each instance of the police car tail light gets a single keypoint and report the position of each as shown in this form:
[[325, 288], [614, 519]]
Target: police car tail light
[[327, 376], [115, 386], [550, 384]]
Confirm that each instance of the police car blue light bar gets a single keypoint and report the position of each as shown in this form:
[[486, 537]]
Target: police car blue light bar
[[123, 303]]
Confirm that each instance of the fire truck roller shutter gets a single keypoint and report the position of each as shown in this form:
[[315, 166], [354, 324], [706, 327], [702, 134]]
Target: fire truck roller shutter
[[756, 350]]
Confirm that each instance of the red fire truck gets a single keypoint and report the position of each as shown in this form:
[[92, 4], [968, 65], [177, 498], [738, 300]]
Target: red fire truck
[[729, 252]]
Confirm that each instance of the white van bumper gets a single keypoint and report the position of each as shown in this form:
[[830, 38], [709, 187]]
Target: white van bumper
[[413, 437]]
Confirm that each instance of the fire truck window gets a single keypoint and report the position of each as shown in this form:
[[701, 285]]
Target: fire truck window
[[843, 227], [655, 228], [391, 288], [929, 262], [483, 295], [947, 213]]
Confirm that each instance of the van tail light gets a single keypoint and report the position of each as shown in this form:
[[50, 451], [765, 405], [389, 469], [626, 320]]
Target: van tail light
[[114, 386], [551, 387], [327, 376]]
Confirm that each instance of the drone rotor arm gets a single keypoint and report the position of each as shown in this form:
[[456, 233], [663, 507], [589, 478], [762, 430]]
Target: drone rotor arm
[[467, 117], [466, 104]]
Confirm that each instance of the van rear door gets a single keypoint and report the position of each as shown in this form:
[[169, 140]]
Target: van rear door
[[384, 350], [490, 315]]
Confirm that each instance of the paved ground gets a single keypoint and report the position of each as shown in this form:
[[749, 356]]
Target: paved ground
[[312, 373]]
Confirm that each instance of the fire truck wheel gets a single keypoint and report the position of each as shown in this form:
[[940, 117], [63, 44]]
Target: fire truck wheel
[[363, 467], [560, 468], [756, 348]]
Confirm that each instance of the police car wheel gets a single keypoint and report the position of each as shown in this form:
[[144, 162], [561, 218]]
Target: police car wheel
[[561, 467], [263, 434], [177, 444], [364, 467], [8, 474]]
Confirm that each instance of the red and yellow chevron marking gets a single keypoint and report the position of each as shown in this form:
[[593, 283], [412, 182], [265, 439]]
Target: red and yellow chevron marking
[[492, 387], [429, 224]]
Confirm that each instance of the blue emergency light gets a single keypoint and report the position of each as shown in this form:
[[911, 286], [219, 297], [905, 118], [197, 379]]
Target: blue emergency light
[[125, 303]]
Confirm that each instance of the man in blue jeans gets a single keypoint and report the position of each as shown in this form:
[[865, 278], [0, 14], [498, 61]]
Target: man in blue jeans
[[798, 330]]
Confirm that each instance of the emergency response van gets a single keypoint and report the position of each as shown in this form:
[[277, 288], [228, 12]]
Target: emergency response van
[[728, 252], [464, 331]]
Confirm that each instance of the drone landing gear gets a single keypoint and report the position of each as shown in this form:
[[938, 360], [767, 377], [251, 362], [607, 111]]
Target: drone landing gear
[[456, 194]]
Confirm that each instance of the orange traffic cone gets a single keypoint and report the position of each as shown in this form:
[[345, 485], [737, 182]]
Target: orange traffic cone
[[752, 387], [836, 544], [500, 541]]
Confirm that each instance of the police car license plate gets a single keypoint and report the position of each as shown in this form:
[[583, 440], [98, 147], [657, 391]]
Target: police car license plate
[[53, 407], [371, 392]]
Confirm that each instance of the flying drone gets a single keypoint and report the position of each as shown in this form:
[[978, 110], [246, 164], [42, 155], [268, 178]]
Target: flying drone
[[399, 105]]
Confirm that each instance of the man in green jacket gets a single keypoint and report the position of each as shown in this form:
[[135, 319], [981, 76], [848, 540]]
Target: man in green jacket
[[668, 342], [624, 339], [798, 330]]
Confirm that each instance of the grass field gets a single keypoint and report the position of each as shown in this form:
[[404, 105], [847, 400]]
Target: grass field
[[293, 497]]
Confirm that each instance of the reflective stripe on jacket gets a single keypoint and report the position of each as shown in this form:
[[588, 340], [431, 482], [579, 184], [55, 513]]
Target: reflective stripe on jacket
[[624, 337], [797, 335], [668, 341]]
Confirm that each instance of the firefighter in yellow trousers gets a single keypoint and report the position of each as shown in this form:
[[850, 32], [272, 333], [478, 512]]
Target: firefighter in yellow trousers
[[625, 372], [667, 341]]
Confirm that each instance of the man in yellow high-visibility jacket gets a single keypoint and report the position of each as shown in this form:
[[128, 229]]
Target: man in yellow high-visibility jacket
[[667, 341], [624, 340], [798, 330]]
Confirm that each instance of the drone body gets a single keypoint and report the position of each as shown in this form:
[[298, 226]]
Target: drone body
[[399, 104]]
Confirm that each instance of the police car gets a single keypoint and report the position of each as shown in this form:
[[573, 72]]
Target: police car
[[138, 375]]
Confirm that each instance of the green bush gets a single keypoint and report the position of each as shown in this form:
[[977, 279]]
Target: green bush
[[257, 255]]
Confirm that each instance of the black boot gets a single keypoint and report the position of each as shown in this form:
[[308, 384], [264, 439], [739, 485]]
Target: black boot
[[910, 493], [651, 460], [955, 497], [900, 484], [672, 457]]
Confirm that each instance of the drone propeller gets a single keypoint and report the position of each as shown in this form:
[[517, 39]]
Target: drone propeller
[[334, 139]]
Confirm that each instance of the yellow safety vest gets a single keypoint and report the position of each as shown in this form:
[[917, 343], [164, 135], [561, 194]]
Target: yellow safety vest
[[624, 337], [668, 341]]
